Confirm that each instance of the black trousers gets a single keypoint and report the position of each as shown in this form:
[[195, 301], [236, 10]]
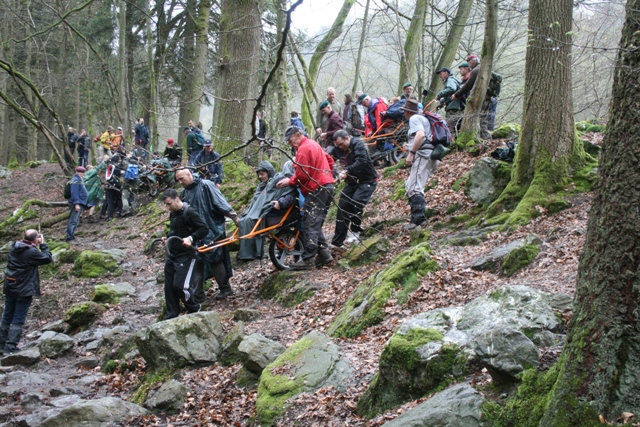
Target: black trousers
[[114, 201], [353, 199], [181, 277], [316, 205]]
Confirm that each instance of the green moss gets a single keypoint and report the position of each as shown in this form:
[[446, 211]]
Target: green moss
[[13, 163], [275, 389], [596, 128], [378, 226], [83, 313], [518, 259], [451, 209], [431, 212], [457, 184], [103, 295], [467, 140], [247, 379], [370, 250], [146, 382], [369, 300], [288, 288], [94, 264], [68, 256], [398, 191], [391, 170], [401, 349], [419, 235], [508, 130], [585, 178], [110, 367]]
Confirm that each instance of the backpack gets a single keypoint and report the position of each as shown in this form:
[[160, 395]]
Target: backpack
[[131, 174], [199, 138], [67, 190], [495, 85], [439, 129], [395, 111]]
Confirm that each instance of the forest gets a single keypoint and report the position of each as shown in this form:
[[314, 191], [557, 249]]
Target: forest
[[520, 309]]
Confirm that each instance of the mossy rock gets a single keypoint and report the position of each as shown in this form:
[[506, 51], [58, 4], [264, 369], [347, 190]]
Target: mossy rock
[[83, 314], [378, 226], [518, 259], [367, 251], [585, 178], [406, 373], [507, 131], [419, 235], [230, 343], [247, 379], [366, 306], [53, 245], [33, 164], [94, 264], [398, 191], [103, 295], [287, 288], [65, 256]]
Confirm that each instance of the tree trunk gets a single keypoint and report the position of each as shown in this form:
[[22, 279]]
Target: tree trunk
[[122, 59], [187, 64], [451, 46], [237, 70], [471, 120], [547, 147], [280, 118], [200, 60], [600, 365], [363, 36], [153, 97], [408, 70], [321, 50]]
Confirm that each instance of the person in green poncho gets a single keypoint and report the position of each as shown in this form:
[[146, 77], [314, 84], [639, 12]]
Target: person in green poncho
[[94, 187]]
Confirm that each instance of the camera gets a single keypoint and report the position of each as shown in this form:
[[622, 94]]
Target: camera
[[426, 92]]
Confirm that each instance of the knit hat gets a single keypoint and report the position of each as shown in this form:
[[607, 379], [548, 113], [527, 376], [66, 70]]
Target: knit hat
[[323, 104]]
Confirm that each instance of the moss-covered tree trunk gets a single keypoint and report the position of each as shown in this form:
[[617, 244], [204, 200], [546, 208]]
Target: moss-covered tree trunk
[[408, 70], [187, 64], [547, 147], [363, 36], [237, 73], [471, 121], [317, 57], [600, 364], [451, 45]]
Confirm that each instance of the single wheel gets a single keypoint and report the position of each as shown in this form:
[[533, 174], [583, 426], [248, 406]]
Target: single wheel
[[285, 249], [399, 153], [153, 190]]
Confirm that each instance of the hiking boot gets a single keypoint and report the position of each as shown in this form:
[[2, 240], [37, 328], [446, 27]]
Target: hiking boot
[[92, 219], [13, 336], [411, 226], [304, 264], [323, 258], [224, 293]]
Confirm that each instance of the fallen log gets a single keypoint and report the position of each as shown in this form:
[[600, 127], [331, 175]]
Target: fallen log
[[22, 214]]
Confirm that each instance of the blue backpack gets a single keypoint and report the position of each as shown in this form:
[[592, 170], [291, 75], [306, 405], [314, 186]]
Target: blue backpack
[[394, 112], [131, 174]]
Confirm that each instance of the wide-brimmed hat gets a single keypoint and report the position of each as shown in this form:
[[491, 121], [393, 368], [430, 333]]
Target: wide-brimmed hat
[[411, 105]]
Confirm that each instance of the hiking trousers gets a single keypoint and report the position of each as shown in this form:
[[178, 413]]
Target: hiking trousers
[[181, 278], [316, 205], [353, 199]]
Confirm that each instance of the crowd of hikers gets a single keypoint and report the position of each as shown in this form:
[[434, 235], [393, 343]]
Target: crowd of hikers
[[308, 182]]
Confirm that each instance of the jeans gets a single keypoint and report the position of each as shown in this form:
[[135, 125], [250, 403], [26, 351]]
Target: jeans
[[72, 223], [315, 206], [15, 310], [83, 157]]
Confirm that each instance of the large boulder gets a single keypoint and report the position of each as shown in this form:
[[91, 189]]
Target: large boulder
[[52, 344], [99, 263], [458, 406], [111, 292], [230, 343], [399, 279], [94, 413], [193, 339], [257, 351], [487, 179], [499, 331], [309, 364]]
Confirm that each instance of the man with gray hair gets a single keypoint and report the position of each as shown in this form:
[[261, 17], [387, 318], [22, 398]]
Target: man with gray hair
[[321, 119]]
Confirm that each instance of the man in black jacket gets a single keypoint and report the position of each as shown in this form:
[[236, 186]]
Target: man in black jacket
[[182, 269], [362, 180], [21, 284]]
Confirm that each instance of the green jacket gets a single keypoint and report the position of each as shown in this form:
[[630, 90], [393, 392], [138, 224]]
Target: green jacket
[[94, 185]]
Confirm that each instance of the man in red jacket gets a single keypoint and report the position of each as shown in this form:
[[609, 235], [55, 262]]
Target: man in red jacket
[[314, 178]]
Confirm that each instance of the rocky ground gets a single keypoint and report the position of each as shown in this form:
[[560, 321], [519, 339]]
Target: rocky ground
[[214, 397]]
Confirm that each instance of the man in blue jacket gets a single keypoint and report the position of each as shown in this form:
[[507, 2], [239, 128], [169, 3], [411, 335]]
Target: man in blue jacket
[[21, 284], [77, 202]]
